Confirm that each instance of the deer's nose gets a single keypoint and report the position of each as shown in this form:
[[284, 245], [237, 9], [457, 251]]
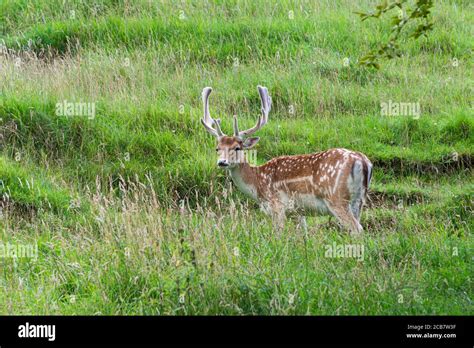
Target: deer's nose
[[222, 163]]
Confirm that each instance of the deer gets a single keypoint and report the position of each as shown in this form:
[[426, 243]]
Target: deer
[[334, 182]]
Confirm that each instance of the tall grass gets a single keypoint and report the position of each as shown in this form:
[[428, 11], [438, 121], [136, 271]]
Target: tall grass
[[139, 257]]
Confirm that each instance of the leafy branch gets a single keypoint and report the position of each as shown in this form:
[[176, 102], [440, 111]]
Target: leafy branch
[[419, 14]]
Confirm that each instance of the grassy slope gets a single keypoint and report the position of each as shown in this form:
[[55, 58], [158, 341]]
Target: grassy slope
[[128, 247]]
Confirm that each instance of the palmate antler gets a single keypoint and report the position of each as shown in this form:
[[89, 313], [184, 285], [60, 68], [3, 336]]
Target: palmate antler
[[262, 120], [208, 121]]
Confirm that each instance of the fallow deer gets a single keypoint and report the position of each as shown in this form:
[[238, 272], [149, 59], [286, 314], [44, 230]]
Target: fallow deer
[[332, 182]]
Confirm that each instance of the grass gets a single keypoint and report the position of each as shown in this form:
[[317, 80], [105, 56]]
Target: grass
[[131, 216]]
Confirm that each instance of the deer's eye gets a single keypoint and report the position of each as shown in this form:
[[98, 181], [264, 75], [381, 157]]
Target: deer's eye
[[217, 150]]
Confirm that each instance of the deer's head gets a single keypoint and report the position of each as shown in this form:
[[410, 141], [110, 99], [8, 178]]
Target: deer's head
[[230, 149]]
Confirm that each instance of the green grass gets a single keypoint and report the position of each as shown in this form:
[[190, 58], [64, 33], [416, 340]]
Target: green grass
[[131, 216]]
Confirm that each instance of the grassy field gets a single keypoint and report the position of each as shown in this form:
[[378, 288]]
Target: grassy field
[[127, 209]]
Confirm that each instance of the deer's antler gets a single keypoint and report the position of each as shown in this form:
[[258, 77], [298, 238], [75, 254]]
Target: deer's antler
[[207, 121], [213, 126], [262, 120]]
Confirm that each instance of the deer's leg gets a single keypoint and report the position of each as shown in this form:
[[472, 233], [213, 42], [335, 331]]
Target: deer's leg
[[302, 223], [356, 208], [278, 217], [276, 210], [344, 215]]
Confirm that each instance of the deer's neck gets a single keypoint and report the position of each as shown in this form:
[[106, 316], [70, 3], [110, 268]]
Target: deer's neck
[[245, 178]]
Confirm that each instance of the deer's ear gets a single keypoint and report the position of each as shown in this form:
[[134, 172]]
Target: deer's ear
[[251, 142]]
